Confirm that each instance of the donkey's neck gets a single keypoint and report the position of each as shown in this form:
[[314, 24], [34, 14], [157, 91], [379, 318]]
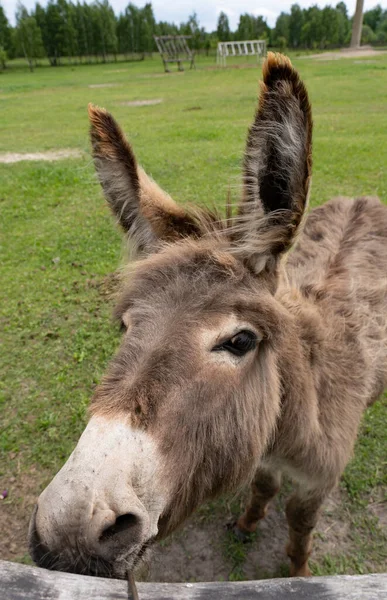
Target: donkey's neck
[[321, 404], [300, 364]]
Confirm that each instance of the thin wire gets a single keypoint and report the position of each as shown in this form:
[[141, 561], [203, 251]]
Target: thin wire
[[132, 589]]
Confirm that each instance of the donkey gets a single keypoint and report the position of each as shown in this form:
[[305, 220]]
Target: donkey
[[240, 361]]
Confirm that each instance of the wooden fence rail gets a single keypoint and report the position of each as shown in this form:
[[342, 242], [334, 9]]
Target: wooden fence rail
[[21, 582]]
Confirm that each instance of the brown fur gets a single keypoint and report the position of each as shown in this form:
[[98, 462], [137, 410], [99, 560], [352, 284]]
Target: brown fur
[[294, 404]]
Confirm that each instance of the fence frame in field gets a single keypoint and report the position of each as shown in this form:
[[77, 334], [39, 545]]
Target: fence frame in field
[[243, 48], [175, 49], [22, 582]]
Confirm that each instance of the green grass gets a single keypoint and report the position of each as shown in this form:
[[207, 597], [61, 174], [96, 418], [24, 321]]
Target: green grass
[[57, 336]]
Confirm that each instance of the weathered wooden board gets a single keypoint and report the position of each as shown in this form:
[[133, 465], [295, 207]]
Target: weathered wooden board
[[21, 582]]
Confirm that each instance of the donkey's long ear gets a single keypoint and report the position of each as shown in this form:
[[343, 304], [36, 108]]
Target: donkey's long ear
[[277, 167], [146, 213]]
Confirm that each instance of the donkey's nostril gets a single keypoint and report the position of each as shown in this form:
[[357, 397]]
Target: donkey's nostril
[[124, 523]]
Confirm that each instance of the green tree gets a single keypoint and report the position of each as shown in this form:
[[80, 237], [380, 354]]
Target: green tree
[[251, 27], [312, 29], [123, 38], [381, 36], [373, 17], [133, 17], [106, 20], [282, 43], [344, 26], [3, 58], [80, 24], [148, 29], [99, 42], [376, 19], [5, 36], [164, 28], [28, 36], [54, 33], [223, 28], [381, 29], [40, 18], [296, 22], [281, 29], [87, 11], [367, 35], [192, 28], [341, 7], [68, 34], [330, 27]]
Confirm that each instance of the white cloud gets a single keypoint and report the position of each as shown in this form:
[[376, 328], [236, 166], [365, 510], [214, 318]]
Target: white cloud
[[208, 10]]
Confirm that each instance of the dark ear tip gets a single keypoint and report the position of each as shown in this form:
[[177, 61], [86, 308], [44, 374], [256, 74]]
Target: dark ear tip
[[106, 136], [277, 66], [97, 115]]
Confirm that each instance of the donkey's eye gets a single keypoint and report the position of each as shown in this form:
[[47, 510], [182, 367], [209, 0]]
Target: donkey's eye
[[239, 344]]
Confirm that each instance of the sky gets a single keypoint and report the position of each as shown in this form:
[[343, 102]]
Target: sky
[[208, 10]]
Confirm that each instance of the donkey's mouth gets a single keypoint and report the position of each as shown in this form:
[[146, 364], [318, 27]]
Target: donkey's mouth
[[88, 564], [79, 561]]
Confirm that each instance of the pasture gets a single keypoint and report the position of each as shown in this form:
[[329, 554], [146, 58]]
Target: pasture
[[59, 251]]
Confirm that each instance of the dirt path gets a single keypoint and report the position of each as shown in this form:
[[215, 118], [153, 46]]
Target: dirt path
[[142, 102], [15, 512], [50, 155], [205, 550], [104, 85], [364, 52]]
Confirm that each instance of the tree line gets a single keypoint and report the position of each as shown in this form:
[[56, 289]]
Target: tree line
[[79, 32]]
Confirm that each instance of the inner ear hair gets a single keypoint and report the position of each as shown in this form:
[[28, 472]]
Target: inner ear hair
[[277, 167]]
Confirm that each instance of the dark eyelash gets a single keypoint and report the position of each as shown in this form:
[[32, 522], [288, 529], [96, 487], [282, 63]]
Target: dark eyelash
[[242, 342]]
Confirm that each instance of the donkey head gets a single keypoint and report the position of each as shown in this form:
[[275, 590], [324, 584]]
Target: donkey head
[[189, 403]]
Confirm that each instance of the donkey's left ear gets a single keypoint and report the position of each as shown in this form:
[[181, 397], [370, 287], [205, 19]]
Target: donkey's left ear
[[146, 213], [277, 168]]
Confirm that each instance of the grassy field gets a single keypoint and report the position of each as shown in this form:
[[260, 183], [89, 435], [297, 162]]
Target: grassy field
[[58, 247]]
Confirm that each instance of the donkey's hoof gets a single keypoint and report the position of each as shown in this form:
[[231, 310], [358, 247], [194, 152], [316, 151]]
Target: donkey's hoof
[[241, 536]]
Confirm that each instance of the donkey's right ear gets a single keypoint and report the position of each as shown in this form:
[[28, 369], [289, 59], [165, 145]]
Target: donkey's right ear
[[147, 214], [277, 168]]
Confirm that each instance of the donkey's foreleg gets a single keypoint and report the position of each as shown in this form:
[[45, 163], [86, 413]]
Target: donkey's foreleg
[[302, 512], [264, 487]]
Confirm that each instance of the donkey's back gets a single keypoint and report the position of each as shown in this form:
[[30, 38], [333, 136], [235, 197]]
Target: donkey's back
[[341, 263]]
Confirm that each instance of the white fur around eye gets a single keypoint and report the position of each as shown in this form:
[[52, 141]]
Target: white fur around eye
[[226, 358]]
